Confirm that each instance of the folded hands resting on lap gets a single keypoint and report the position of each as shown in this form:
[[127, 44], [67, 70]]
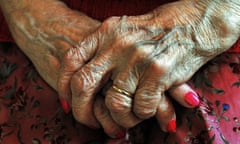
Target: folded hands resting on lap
[[143, 55]]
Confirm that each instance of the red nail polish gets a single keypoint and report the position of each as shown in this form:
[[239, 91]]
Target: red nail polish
[[121, 134], [171, 127], [192, 99], [65, 105]]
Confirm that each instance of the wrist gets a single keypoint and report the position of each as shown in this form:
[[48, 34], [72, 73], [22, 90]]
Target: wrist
[[219, 26]]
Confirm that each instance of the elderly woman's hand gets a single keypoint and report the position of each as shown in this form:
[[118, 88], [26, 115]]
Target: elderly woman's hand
[[146, 55]]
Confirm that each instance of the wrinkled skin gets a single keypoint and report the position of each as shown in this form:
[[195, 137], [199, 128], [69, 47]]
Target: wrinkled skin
[[45, 30], [146, 55], [45, 38]]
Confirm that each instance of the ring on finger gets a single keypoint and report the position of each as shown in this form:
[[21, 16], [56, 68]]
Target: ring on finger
[[121, 91]]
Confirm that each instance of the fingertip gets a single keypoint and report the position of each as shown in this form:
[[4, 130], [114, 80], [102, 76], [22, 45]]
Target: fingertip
[[166, 116], [172, 126], [185, 95], [191, 98], [65, 105], [121, 134]]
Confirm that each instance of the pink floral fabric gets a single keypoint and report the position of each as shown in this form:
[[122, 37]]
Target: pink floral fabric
[[29, 108]]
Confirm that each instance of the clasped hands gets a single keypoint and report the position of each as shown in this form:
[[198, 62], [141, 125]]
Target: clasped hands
[[117, 76]]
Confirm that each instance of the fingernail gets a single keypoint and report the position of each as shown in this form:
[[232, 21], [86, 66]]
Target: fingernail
[[192, 99], [171, 127], [121, 134], [65, 105]]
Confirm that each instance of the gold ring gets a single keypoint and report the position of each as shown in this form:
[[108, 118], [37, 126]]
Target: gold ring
[[121, 91]]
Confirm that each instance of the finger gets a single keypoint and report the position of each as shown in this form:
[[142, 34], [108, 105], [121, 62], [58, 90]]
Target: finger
[[156, 79], [74, 59], [166, 115], [150, 90], [120, 107], [185, 95], [125, 81], [84, 85], [102, 114], [119, 97]]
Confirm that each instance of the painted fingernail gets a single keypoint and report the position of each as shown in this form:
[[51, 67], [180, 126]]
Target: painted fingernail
[[121, 134], [65, 105], [171, 127], [191, 98]]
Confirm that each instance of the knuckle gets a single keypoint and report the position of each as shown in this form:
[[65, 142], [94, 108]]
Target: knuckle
[[110, 22], [72, 60], [146, 104], [117, 105], [83, 81], [70, 54], [161, 66], [87, 47], [143, 50], [144, 113]]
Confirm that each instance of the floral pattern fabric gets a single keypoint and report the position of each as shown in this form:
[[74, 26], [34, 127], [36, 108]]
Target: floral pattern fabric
[[29, 109]]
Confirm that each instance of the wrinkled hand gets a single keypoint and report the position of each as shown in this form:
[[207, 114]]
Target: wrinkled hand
[[110, 48], [145, 56], [116, 41]]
